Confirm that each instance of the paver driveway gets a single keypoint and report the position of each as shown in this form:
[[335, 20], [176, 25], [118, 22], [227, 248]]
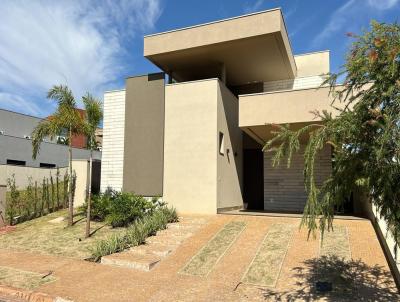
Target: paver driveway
[[237, 258]]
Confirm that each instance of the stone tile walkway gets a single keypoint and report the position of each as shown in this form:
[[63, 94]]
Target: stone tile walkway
[[365, 276], [145, 257]]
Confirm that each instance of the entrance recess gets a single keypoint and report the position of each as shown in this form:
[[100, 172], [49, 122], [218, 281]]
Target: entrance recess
[[253, 179]]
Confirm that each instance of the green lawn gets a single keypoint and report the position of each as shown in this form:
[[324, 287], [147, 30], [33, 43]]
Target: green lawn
[[41, 236]]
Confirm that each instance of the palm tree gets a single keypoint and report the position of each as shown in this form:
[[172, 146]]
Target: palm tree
[[94, 115], [65, 118]]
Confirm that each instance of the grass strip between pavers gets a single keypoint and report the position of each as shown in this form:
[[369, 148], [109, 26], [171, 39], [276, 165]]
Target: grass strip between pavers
[[336, 243], [265, 268], [22, 279], [204, 261]]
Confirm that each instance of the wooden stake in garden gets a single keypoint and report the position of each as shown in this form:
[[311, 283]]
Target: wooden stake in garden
[[65, 193], [43, 196], [57, 188], [36, 199], [52, 192]]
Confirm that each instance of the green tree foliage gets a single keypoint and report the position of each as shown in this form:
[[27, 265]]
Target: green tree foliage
[[365, 135], [66, 117]]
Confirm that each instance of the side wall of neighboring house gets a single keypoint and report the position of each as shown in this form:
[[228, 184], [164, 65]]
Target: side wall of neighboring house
[[16, 148]]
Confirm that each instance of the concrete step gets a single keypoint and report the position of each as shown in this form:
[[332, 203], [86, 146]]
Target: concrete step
[[184, 233], [192, 220], [143, 262], [165, 240], [184, 226], [160, 250]]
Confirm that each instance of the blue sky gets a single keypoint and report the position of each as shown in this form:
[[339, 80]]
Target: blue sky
[[92, 45]]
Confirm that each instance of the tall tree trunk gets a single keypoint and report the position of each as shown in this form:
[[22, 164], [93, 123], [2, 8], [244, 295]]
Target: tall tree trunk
[[89, 197], [70, 202]]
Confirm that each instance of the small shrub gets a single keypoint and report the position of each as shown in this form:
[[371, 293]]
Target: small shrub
[[13, 202], [136, 233], [126, 208], [99, 208], [120, 209]]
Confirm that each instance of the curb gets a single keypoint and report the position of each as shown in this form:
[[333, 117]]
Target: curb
[[28, 295]]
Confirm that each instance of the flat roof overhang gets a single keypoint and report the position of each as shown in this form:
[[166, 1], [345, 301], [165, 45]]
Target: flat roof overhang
[[258, 113], [250, 48]]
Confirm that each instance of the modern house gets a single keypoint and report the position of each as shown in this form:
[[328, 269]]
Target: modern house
[[193, 134]]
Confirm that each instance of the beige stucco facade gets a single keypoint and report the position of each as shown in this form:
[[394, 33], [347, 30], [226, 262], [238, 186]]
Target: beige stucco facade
[[190, 146], [311, 64], [198, 178], [230, 163]]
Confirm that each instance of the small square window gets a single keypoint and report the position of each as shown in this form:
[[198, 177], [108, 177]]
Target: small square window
[[221, 144]]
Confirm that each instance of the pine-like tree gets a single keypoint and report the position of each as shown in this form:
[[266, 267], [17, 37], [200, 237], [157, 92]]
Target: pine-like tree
[[365, 135]]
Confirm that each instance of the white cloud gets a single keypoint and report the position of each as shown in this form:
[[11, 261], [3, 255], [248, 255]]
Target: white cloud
[[382, 4], [345, 17], [18, 104], [253, 7], [337, 21], [79, 43]]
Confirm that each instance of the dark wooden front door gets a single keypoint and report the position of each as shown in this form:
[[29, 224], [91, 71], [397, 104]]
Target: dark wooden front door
[[253, 179]]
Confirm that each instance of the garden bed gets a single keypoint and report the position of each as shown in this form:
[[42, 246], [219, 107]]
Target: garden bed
[[42, 236]]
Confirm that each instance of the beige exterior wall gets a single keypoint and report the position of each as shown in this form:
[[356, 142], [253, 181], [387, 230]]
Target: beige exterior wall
[[294, 106], [284, 187], [229, 164], [81, 168], [190, 146], [3, 190], [144, 139], [216, 32], [312, 64], [197, 178], [22, 173]]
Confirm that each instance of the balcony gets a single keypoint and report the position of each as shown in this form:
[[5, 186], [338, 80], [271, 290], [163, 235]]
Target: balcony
[[258, 111]]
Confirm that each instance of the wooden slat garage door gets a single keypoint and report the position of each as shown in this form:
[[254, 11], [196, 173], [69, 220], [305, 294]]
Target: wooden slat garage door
[[284, 187]]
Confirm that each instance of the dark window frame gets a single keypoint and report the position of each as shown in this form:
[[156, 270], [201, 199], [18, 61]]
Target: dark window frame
[[15, 162]]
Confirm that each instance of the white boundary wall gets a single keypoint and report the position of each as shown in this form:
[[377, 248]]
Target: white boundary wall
[[81, 168]]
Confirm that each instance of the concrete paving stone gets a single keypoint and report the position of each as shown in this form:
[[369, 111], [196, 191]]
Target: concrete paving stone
[[183, 226], [192, 220], [157, 249], [143, 262], [166, 240], [175, 233]]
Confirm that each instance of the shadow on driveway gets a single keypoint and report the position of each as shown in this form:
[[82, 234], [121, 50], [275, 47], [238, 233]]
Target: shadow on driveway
[[330, 278]]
